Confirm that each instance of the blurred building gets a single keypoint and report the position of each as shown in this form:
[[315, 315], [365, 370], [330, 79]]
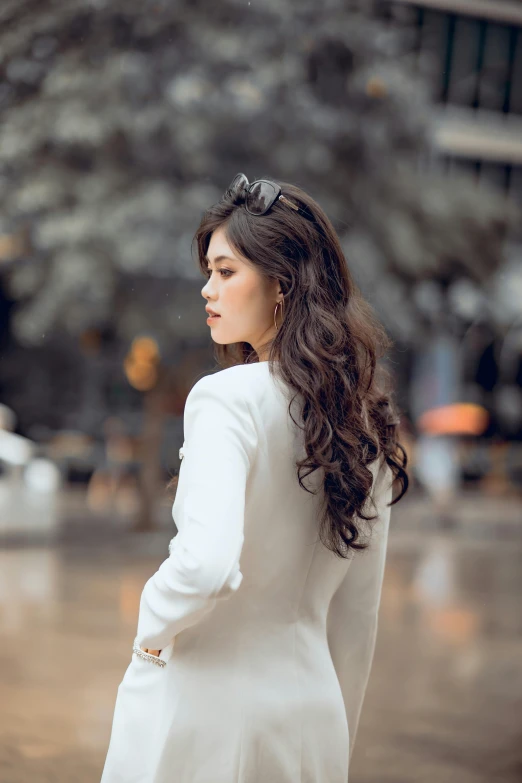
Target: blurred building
[[473, 52]]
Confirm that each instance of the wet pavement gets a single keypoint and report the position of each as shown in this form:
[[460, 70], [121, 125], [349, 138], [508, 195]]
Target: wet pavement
[[444, 702]]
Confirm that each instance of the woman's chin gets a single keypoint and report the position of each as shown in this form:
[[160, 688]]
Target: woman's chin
[[219, 340], [223, 340]]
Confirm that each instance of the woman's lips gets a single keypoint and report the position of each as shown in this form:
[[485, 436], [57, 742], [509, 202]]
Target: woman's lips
[[213, 318]]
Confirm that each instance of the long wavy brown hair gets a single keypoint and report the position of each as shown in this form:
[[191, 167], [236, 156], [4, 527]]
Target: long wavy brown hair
[[327, 348]]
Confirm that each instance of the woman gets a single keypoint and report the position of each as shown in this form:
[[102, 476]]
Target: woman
[[256, 635]]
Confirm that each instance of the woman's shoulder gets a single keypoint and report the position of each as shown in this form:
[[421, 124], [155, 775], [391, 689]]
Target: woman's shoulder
[[218, 409], [233, 381]]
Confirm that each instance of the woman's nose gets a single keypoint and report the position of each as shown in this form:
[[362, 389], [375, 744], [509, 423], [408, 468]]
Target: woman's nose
[[205, 291]]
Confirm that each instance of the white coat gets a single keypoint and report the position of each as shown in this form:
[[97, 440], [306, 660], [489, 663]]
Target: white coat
[[267, 636]]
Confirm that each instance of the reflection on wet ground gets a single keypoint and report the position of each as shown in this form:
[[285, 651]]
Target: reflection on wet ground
[[444, 701]]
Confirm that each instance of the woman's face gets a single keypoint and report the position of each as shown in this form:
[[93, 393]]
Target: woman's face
[[244, 299]]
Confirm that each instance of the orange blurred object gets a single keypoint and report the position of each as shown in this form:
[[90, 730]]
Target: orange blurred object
[[141, 363], [141, 375], [145, 349], [461, 418]]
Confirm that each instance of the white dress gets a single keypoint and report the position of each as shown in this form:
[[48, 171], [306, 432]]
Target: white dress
[[267, 637]]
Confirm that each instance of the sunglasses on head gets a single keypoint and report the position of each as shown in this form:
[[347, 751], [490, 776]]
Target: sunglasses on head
[[259, 195]]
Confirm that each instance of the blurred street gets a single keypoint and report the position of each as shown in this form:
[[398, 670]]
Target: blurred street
[[443, 703]]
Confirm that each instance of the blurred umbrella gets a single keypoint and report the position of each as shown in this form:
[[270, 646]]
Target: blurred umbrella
[[456, 419]]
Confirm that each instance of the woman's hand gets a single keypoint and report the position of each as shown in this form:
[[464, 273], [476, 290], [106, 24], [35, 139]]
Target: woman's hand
[[151, 652]]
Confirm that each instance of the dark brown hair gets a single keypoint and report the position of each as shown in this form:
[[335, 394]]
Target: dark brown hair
[[327, 348]]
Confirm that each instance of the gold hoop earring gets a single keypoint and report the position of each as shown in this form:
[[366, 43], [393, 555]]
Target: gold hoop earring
[[275, 311]]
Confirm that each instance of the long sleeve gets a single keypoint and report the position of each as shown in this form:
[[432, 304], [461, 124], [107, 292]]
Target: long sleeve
[[203, 564], [353, 613]]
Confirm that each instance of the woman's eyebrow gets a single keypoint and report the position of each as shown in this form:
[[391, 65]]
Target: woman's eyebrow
[[219, 258]]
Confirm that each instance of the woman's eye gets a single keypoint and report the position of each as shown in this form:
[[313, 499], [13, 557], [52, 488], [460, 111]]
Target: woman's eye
[[222, 272]]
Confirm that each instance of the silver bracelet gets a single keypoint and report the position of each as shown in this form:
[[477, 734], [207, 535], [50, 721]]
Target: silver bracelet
[[147, 656]]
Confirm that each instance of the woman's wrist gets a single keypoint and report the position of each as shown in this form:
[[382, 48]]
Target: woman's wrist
[[151, 652]]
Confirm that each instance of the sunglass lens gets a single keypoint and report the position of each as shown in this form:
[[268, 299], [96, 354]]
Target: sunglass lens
[[260, 197], [236, 186]]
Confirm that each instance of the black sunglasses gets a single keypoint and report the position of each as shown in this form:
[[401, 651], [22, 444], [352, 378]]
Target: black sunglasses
[[259, 195]]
